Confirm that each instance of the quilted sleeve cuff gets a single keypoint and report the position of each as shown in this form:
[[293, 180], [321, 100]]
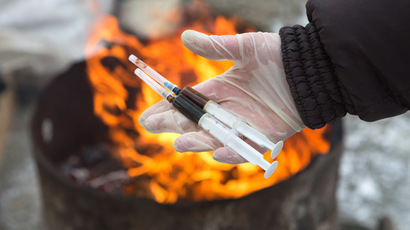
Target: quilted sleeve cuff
[[311, 76]]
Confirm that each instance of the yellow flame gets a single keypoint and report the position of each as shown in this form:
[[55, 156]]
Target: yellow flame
[[159, 171]]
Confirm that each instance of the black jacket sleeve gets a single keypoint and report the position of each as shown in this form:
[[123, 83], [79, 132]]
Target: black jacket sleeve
[[353, 57]]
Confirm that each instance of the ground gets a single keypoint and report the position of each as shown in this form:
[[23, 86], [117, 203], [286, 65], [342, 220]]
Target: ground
[[374, 174]]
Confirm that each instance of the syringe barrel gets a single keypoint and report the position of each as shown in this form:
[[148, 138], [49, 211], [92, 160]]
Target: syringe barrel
[[154, 74], [254, 135], [230, 139], [189, 109], [221, 114], [247, 151], [195, 96], [210, 106], [151, 83], [238, 124]]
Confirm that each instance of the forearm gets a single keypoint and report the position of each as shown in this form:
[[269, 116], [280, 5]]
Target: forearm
[[352, 57]]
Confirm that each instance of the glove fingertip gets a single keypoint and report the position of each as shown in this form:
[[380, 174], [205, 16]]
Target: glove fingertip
[[177, 149], [196, 42], [188, 37], [183, 144], [200, 44], [193, 142], [228, 156], [141, 120]]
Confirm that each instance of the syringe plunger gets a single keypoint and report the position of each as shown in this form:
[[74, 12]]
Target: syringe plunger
[[230, 139]]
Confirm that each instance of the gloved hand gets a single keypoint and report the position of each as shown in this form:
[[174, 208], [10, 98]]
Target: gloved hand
[[254, 88]]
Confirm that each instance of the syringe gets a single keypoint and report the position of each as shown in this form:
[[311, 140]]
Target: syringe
[[154, 74], [213, 108], [206, 121], [231, 120]]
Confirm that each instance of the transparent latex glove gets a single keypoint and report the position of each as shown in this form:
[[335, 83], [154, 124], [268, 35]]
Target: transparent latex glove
[[254, 88]]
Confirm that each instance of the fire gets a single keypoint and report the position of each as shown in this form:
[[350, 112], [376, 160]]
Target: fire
[[158, 171]]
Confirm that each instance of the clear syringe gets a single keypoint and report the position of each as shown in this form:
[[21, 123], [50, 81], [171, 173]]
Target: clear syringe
[[154, 74], [213, 108], [232, 120], [206, 121]]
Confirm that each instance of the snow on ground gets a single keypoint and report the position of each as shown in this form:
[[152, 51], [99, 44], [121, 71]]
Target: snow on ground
[[375, 171]]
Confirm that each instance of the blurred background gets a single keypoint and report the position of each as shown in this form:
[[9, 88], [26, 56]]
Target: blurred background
[[41, 39]]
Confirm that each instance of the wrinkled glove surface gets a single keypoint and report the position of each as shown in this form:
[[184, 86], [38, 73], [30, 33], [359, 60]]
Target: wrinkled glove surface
[[254, 87]]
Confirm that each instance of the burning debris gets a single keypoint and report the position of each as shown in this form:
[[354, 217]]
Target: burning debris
[[94, 167]]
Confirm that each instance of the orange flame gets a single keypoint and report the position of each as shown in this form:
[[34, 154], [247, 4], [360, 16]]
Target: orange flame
[[159, 172]]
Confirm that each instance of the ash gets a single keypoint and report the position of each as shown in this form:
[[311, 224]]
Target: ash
[[374, 172], [94, 167]]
